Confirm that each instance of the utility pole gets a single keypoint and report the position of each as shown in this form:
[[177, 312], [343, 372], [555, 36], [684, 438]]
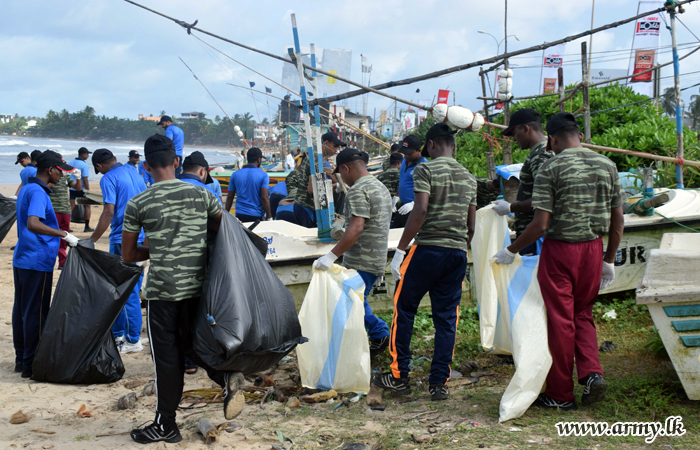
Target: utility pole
[[670, 8], [394, 122], [490, 163], [590, 42], [507, 151], [586, 101], [560, 75]]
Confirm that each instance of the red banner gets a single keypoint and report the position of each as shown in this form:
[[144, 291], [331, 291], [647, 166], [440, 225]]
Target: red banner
[[443, 96], [550, 85], [643, 60]]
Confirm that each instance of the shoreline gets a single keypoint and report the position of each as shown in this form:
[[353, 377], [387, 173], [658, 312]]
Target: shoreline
[[137, 144]]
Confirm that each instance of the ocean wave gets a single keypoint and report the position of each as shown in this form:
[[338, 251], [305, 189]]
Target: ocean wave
[[11, 142]]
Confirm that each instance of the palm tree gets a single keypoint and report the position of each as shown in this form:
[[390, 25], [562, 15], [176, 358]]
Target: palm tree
[[668, 101], [694, 110]]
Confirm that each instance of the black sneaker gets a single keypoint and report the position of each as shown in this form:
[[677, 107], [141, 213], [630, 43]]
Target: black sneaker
[[544, 401], [234, 401], [377, 346], [27, 374], [398, 386], [90, 230], [157, 432], [18, 367], [438, 392], [594, 387]]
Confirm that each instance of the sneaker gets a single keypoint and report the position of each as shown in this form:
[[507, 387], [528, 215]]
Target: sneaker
[[377, 346], [234, 401], [387, 381], [18, 367], [439, 392], [27, 374], [157, 432], [90, 230], [128, 347], [594, 387], [544, 401]]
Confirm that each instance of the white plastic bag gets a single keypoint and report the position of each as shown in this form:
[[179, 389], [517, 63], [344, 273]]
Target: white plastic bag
[[332, 318], [523, 308]]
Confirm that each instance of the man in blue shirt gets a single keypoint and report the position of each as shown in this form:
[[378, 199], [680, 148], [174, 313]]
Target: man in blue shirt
[[38, 238], [176, 135], [411, 148], [119, 184], [277, 193], [146, 175], [134, 159], [29, 169], [24, 159], [195, 169], [216, 186], [250, 183], [79, 163]]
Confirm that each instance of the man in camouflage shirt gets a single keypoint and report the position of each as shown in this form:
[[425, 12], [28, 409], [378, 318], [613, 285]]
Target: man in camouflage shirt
[[175, 217], [285, 208], [366, 239], [390, 177], [526, 128], [387, 161], [577, 200], [442, 222], [61, 206]]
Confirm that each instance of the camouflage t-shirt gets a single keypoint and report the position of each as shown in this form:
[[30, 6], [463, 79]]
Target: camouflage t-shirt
[[578, 187], [390, 179], [386, 163], [484, 194], [59, 195], [368, 198], [292, 181], [174, 216], [303, 197], [538, 156], [452, 190]]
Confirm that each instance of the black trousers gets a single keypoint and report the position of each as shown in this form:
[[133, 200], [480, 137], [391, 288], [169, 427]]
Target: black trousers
[[32, 300], [274, 203], [246, 218], [170, 331]]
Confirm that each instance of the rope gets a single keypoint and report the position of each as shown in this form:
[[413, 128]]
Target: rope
[[677, 223]]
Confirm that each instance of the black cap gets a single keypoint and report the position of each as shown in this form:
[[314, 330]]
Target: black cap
[[253, 154], [347, 155], [21, 156], [165, 119], [157, 143], [365, 157], [395, 158], [332, 137], [101, 155], [50, 158], [134, 154], [395, 147], [197, 158], [561, 120], [35, 154], [520, 117], [439, 129], [410, 144], [83, 151]]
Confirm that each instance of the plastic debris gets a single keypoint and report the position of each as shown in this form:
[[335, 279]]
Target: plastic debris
[[610, 314], [320, 397], [83, 411], [607, 346], [19, 417], [127, 402], [512, 429]]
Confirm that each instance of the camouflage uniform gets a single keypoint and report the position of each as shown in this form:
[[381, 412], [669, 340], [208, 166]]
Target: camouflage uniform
[[484, 194], [578, 187], [174, 216], [538, 156], [452, 190], [59, 195], [368, 198], [390, 179], [292, 181], [303, 197], [386, 163]]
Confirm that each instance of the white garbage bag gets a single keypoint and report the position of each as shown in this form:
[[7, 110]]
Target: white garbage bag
[[332, 318]]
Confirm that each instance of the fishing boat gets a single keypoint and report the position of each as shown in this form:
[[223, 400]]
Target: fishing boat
[[224, 176]]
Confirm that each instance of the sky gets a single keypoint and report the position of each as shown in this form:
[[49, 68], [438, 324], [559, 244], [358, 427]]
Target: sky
[[124, 61]]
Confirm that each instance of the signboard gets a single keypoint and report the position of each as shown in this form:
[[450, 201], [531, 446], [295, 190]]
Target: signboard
[[647, 38], [552, 60], [443, 96], [643, 60], [600, 75], [550, 85]]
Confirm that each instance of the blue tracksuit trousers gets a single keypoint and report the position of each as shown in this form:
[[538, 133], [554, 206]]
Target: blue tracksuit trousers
[[129, 321]]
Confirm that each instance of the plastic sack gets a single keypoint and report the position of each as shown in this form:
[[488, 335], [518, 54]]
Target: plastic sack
[[77, 346], [78, 214], [8, 215], [525, 315], [246, 321], [491, 234], [332, 317]]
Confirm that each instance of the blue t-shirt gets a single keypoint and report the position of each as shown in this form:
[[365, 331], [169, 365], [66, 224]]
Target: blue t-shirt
[[279, 188], [119, 185], [27, 173], [84, 169], [178, 137], [246, 182], [216, 186], [146, 175], [194, 179], [406, 181], [35, 251]]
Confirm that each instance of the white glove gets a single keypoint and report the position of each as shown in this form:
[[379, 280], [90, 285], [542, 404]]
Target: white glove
[[394, 201], [396, 263], [504, 256], [70, 239], [325, 262], [380, 280], [405, 209], [140, 263], [76, 173], [501, 207], [14, 197], [608, 275]]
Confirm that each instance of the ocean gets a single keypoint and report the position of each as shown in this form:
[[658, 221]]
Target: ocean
[[10, 146]]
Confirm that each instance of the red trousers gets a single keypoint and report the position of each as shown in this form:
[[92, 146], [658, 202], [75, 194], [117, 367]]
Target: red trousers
[[569, 276], [64, 224]]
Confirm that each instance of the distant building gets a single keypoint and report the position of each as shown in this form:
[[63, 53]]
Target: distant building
[[31, 123], [6, 118], [151, 118], [261, 132], [189, 116]]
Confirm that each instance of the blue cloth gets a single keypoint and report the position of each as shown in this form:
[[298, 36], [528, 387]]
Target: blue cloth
[[376, 327], [118, 186], [194, 179], [215, 187], [32, 299], [35, 251], [306, 217], [27, 173], [279, 188], [286, 213], [84, 169], [129, 320], [406, 194], [246, 182], [176, 134], [441, 272], [146, 175]]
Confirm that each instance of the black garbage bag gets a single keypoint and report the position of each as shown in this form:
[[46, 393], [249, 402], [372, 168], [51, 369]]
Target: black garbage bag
[[8, 215], [246, 320], [78, 214], [77, 346]]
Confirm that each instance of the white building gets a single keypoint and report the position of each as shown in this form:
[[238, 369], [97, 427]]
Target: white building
[[31, 123], [6, 118]]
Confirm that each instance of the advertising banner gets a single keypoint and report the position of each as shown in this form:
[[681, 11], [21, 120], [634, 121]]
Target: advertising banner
[[552, 60], [647, 38], [443, 96]]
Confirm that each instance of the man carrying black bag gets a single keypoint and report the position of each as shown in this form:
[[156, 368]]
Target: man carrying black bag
[[175, 217]]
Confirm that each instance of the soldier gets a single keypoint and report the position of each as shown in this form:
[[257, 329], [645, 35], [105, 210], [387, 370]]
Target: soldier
[[366, 237], [443, 219], [577, 200], [390, 176], [526, 128], [387, 161]]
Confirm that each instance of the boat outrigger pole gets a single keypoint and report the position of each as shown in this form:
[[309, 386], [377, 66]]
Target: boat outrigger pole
[[670, 6]]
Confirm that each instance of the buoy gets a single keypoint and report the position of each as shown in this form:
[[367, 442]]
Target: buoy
[[478, 122], [459, 117], [240, 134], [237, 129], [440, 112]]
